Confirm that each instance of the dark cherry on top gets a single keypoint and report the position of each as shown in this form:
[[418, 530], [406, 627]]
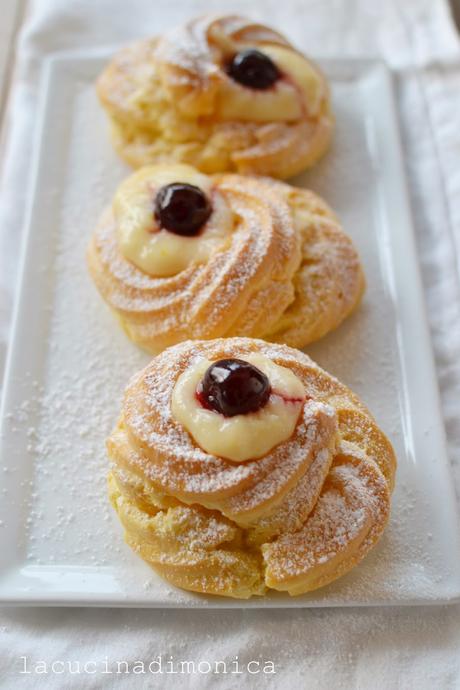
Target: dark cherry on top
[[182, 208], [232, 386], [254, 69]]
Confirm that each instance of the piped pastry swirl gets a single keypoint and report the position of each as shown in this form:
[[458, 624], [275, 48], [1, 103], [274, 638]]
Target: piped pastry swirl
[[222, 94], [268, 260], [294, 519]]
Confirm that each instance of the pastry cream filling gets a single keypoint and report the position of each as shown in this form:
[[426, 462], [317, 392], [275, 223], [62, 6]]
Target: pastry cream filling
[[246, 436], [300, 90], [156, 251]]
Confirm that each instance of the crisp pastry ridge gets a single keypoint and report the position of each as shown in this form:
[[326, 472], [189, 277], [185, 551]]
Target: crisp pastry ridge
[[287, 272], [171, 99], [294, 520]]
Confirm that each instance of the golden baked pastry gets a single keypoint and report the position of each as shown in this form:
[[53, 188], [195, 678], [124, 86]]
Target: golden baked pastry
[[219, 93], [180, 255], [285, 505]]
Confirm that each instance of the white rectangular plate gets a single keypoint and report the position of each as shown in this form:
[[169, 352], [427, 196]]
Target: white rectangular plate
[[69, 362]]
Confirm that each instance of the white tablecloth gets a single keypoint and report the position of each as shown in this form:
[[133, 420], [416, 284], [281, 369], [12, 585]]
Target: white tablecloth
[[367, 648]]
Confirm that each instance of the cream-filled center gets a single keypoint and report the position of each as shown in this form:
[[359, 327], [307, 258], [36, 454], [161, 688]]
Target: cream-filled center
[[246, 436], [155, 250], [300, 91]]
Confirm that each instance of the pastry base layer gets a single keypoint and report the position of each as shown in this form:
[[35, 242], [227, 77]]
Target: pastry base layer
[[293, 521], [288, 274], [169, 100]]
